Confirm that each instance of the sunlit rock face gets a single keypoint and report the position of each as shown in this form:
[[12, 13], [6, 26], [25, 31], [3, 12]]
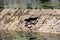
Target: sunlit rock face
[[44, 20]]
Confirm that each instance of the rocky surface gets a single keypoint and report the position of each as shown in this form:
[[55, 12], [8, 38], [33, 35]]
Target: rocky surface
[[44, 20]]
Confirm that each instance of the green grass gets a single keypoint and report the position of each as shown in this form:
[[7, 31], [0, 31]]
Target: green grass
[[39, 5], [20, 37], [1, 6]]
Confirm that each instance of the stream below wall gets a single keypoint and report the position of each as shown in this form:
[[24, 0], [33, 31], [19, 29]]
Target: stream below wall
[[19, 35]]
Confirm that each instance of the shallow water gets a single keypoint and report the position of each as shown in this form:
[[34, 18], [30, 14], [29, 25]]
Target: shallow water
[[16, 35]]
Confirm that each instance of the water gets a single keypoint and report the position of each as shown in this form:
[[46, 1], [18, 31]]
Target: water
[[16, 35]]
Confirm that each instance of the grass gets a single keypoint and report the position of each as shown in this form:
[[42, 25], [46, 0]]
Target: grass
[[27, 36], [1, 6], [39, 5]]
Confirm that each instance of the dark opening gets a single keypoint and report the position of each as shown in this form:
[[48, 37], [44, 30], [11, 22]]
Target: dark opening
[[31, 19]]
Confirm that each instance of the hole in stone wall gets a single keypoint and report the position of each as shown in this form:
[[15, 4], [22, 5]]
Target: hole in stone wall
[[30, 21]]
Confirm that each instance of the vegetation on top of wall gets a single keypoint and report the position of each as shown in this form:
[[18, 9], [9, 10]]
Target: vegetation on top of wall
[[41, 4]]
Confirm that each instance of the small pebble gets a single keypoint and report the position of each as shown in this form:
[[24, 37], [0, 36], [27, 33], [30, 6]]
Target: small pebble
[[29, 26]]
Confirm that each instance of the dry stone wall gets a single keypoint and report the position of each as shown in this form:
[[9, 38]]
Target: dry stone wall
[[44, 20]]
